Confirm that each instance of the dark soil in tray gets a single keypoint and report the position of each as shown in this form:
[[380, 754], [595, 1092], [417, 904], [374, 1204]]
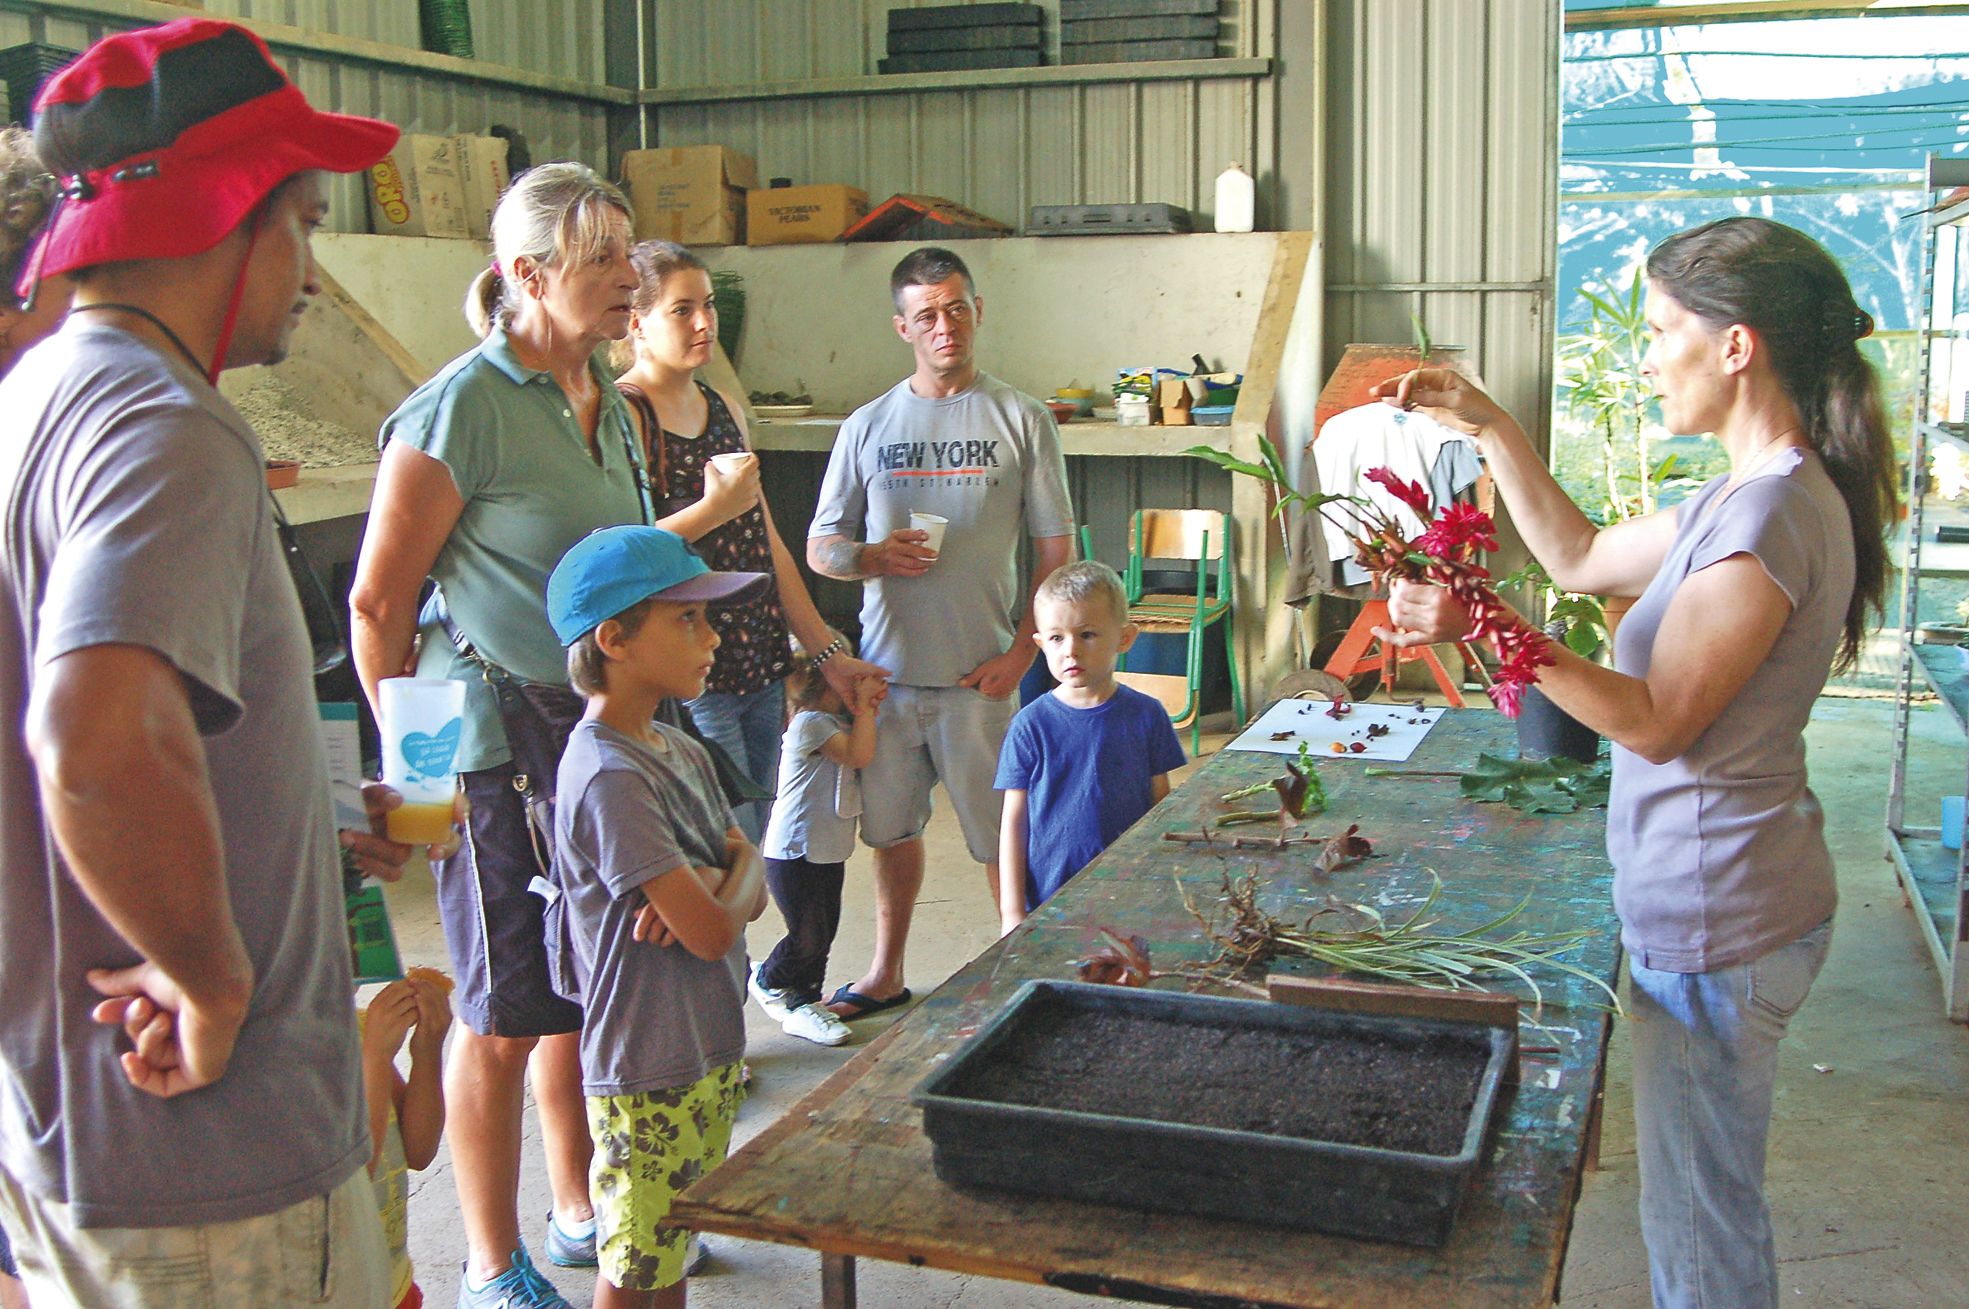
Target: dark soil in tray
[[1398, 1093]]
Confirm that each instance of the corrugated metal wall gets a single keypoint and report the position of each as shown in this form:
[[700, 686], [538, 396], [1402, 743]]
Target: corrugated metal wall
[[1440, 184], [1000, 151], [557, 37]]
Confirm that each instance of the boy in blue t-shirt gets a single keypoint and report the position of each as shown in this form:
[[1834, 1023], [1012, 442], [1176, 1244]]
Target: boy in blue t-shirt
[[1082, 764]]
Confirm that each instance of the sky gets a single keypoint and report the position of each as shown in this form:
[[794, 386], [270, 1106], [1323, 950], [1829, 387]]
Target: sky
[[1807, 122]]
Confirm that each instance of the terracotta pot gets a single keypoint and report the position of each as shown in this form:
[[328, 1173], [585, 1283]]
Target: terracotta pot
[[1362, 364]]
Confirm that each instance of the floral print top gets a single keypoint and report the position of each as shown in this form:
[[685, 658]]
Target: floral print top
[[757, 649]]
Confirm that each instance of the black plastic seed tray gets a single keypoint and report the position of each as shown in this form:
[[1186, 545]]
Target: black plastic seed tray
[[1114, 1158], [945, 61], [1135, 52], [1073, 11], [24, 68], [977, 15]]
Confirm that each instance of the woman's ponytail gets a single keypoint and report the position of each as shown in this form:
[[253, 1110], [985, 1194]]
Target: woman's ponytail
[[1783, 284]]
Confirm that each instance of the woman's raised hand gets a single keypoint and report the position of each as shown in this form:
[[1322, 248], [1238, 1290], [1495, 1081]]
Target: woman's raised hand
[[729, 494], [1423, 614], [1444, 395]]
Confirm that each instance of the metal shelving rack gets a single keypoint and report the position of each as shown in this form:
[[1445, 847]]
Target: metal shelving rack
[[1934, 878]]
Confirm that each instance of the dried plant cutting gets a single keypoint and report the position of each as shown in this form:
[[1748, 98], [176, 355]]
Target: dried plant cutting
[[1349, 937]]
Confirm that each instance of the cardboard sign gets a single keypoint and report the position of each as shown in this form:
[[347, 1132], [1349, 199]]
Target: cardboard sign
[[694, 195]]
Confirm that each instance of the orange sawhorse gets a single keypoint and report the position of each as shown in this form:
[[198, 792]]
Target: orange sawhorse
[[1360, 650]]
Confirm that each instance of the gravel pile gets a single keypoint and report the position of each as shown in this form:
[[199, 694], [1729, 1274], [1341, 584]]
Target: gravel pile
[[289, 431]]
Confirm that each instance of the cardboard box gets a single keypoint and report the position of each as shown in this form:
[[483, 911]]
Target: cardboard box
[[417, 190], [1173, 402], [694, 195], [802, 215], [482, 168]]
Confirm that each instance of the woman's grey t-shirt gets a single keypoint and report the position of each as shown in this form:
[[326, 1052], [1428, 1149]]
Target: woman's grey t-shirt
[[655, 1016], [1719, 854], [507, 435]]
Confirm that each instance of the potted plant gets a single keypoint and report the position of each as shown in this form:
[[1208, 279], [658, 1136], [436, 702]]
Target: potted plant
[[1579, 622]]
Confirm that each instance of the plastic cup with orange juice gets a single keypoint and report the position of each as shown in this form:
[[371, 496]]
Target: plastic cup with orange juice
[[422, 721]]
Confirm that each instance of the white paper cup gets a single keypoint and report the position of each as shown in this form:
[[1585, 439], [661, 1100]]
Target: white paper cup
[[422, 721], [733, 462], [934, 524]]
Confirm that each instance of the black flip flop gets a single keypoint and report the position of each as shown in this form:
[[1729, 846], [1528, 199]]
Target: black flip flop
[[866, 1005]]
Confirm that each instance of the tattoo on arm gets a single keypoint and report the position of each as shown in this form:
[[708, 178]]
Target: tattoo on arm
[[840, 559]]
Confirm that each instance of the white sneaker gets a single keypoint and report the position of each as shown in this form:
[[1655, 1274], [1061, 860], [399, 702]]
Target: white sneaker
[[771, 999], [817, 1023]]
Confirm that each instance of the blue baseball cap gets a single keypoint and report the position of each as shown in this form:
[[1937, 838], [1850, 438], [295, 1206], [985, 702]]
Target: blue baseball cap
[[613, 568]]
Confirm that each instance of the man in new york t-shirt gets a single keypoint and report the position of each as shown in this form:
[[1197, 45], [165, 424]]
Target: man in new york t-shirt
[[952, 441]]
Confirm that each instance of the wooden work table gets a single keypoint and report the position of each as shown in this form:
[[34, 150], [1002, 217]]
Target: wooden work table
[[848, 1172]]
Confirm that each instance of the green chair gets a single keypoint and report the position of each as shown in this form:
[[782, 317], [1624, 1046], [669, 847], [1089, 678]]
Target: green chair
[[1200, 536]]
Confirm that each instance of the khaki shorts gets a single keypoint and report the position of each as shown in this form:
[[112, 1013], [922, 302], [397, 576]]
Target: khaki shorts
[[326, 1250], [930, 734], [649, 1146]]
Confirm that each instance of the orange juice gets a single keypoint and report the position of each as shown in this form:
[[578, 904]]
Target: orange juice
[[420, 824]]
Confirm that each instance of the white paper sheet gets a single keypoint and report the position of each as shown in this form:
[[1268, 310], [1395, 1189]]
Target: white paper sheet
[[1291, 721]]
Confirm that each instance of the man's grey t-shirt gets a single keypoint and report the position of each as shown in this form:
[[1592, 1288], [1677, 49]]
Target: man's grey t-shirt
[[989, 460], [1719, 854], [654, 1016], [137, 514]]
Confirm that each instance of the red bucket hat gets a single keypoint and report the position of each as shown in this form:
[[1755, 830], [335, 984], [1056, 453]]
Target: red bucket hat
[[164, 139]]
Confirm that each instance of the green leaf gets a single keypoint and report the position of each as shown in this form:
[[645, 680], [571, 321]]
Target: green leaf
[[1276, 466], [1225, 460], [1536, 786]]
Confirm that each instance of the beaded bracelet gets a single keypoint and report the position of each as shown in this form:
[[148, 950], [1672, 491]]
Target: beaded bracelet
[[839, 644]]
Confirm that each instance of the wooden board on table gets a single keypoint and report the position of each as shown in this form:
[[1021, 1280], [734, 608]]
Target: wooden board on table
[[849, 1170]]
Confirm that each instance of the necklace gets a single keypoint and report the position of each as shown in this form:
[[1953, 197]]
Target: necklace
[[154, 321], [1756, 459]]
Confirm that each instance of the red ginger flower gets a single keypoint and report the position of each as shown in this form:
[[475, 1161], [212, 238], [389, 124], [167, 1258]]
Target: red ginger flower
[[1458, 533], [1411, 494], [1524, 650]]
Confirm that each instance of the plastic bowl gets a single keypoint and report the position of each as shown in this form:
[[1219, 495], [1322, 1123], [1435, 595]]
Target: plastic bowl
[[1062, 409]]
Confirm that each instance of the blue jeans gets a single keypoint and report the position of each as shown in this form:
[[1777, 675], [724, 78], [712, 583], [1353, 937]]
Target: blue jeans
[[749, 727], [1705, 1059]]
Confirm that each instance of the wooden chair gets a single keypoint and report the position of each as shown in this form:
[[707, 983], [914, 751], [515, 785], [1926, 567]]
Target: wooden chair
[[1200, 536]]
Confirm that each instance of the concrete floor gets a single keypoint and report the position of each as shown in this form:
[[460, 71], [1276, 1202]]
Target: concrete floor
[[1872, 1119]]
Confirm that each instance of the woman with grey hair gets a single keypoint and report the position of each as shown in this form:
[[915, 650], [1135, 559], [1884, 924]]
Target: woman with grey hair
[[490, 471]]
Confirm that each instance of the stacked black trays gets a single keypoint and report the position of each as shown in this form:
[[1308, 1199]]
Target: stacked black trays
[[1126, 31], [953, 37], [24, 68]]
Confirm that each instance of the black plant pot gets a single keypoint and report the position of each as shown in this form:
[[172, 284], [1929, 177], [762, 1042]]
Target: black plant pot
[[1546, 731]]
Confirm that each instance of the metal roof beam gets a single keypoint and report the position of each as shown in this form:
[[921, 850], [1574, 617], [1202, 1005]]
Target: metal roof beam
[[1753, 11]]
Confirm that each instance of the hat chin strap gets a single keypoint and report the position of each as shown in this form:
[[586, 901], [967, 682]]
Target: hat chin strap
[[238, 295]]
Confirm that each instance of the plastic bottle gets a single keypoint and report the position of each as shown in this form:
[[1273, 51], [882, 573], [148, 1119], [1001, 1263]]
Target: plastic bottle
[[1235, 200]]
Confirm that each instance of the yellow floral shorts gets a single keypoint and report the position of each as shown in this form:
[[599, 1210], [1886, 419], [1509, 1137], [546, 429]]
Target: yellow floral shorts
[[649, 1146]]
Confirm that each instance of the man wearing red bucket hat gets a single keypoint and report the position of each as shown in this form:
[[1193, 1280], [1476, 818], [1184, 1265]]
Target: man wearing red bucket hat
[[181, 1117]]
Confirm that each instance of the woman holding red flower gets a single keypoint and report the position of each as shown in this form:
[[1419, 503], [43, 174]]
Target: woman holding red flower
[[1749, 592]]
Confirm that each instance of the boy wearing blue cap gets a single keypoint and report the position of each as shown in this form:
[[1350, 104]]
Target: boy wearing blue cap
[[646, 927]]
